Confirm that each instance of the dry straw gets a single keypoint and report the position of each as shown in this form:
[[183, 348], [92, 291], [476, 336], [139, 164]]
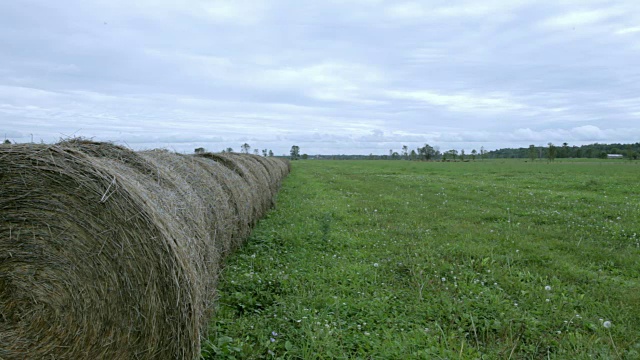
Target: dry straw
[[108, 253], [252, 174]]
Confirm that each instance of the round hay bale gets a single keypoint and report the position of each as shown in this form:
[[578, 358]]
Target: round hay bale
[[279, 165], [206, 197], [276, 170], [286, 162], [256, 187], [255, 168], [239, 196], [88, 267], [272, 173], [109, 151]]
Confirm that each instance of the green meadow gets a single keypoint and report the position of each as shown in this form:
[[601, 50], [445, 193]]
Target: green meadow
[[494, 259]]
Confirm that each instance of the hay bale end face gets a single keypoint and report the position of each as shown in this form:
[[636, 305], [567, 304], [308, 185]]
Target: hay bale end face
[[109, 253]]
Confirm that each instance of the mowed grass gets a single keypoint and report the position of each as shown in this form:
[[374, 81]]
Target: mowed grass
[[416, 260]]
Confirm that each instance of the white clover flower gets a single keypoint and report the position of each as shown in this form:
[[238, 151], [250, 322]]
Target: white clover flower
[[443, 279], [548, 288], [607, 324], [375, 265]]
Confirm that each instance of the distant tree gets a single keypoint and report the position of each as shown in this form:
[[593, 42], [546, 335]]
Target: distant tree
[[295, 152], [532, 152], [453, 153], [430, 151], [632, 155], [551, 152], [229, 150], [565, 150], [474, 153], [395, 155], [589, 152], [405, 152], [245, 148], [199, 150], [483, 153], [7, 141], [413, 155], [264, 152], [305, 156], [271, 153], [427, 152], [462, 155]]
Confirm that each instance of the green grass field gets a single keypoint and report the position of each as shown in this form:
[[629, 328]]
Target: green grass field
[[415, 260]]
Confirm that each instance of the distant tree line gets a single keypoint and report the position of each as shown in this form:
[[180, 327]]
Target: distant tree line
[[424, 153], [564, 151], [432, 153], [245, 149]]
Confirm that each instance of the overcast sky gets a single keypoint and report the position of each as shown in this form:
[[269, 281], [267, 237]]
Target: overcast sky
[[331, 76]]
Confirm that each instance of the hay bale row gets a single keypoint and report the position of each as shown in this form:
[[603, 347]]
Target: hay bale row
[[110, 253]]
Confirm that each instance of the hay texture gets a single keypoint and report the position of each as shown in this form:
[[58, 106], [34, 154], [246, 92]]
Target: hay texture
[[107, 253]]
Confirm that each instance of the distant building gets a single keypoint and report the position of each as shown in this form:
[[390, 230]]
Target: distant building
[[614, 156]]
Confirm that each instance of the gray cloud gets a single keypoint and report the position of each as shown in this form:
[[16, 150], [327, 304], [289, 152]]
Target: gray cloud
[[335, 77]]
